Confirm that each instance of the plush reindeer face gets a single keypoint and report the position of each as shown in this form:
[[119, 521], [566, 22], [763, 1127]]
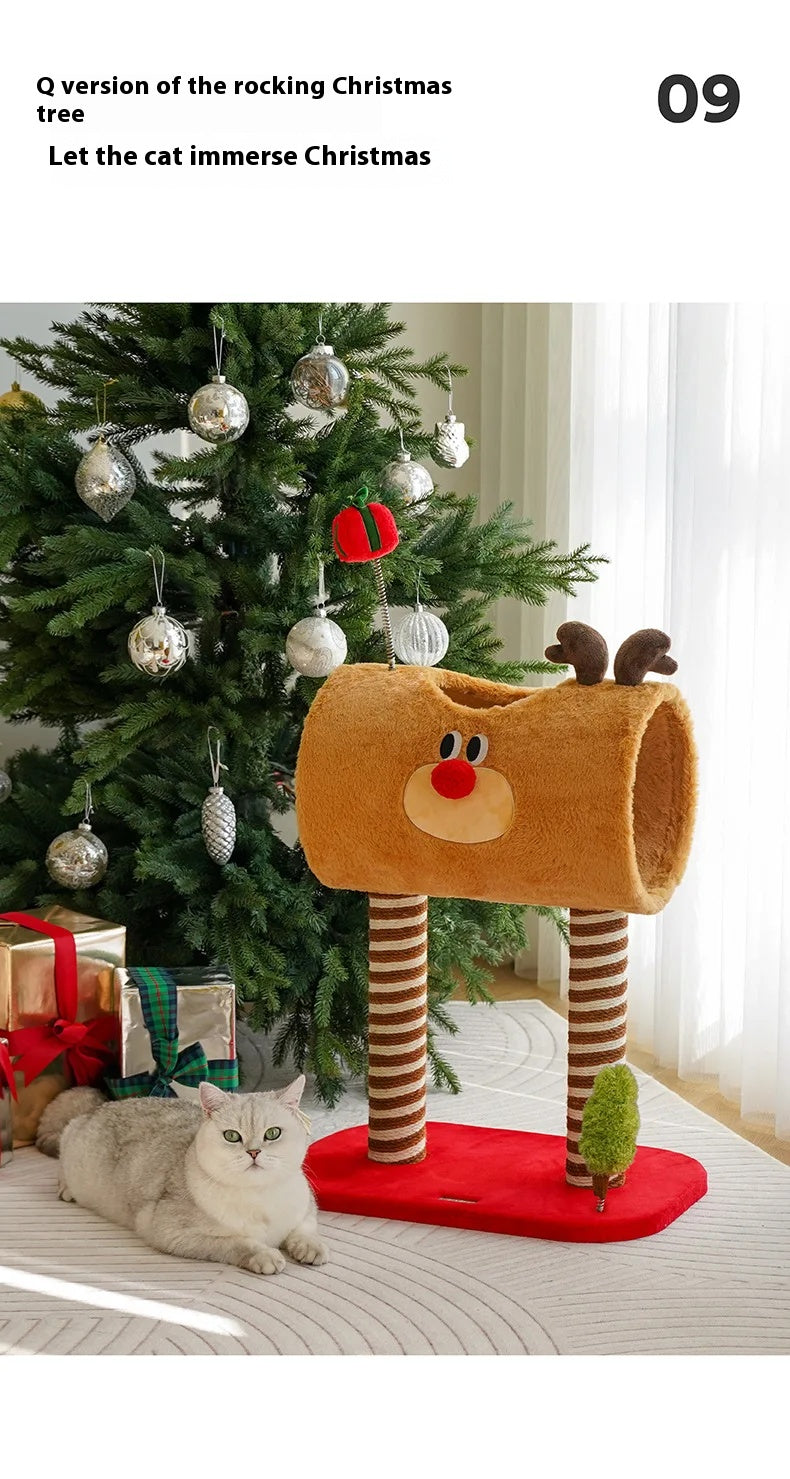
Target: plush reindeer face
[[460, 796], [424, 781]]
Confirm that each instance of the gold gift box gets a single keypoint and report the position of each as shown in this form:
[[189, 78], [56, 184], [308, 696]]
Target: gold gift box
[[27, 967]]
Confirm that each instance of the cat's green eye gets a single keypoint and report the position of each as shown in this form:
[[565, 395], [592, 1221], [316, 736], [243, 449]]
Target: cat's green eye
[[232, 1135], [273, 1133]]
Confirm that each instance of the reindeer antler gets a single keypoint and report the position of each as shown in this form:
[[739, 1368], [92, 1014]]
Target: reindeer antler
[[583, 648], [644, 652]]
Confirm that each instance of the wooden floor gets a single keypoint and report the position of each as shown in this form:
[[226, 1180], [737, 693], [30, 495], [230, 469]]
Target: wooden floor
[[508, 986]]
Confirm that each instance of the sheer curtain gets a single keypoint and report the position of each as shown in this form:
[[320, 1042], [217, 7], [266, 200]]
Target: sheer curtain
[[670, 430]]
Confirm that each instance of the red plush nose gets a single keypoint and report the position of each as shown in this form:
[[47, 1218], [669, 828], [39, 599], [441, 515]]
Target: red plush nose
[[453, 778]]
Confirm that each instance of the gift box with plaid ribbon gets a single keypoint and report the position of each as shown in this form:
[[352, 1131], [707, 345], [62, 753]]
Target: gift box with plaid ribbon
[[178, 1027]]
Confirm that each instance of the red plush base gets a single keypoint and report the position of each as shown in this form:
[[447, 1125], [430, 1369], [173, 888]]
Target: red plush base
[[503, 1181]]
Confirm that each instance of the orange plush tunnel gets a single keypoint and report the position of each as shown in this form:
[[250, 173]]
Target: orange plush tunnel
[[421, 781]]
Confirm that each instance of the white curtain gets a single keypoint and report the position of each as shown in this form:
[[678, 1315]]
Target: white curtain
[[676, 425]]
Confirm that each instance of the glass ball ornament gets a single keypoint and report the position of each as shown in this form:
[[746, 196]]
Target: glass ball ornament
[[158, 644], [409, 481], [77, 859], [448, 445], [218, 412], [421, 639], [105, 479], [319, 379], [6, 786], [17, 399], [316, 646]]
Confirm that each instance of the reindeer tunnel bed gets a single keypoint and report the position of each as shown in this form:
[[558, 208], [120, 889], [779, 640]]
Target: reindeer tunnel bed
[[419, 781]]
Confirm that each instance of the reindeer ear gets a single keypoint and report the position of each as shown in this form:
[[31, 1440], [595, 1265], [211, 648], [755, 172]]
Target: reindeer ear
[[211, 1098], [293, 1093]]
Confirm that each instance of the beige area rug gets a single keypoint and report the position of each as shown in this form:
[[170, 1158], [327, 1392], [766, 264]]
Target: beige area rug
[[715, 1282]]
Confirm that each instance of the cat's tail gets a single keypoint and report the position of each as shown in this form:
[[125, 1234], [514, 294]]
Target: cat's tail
[[60, 1111]]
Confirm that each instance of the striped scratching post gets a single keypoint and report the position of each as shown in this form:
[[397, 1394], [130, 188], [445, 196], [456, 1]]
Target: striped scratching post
[[398, 1021], [597, 1007]]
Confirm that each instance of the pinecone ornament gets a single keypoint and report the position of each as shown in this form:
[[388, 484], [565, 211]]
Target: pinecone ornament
[[218, 824], [218, 814]]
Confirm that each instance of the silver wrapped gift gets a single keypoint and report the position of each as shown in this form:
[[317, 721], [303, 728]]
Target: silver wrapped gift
[[177, 1028]]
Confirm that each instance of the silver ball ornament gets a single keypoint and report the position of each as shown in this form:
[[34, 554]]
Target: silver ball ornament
[[421, 639], [77, 859], [105, 479], [158, 644], [448, 445], [409, 481], [6, 786], [319, 379], [218, 825], [218, 412], [316, 646]]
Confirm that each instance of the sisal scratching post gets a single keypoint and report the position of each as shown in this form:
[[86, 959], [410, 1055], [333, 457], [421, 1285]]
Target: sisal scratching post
[[597, 1007], [397, 1027]]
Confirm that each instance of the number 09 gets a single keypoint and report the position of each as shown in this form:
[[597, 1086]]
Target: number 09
[[724, 104]]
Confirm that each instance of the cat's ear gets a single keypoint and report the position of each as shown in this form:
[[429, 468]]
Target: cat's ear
[[293, 1093], [211, 1098]]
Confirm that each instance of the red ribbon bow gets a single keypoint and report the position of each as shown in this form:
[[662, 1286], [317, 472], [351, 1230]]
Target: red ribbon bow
[[88, 1047], [6, 1070]]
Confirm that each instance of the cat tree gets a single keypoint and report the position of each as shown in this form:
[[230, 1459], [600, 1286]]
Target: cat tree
[[419, 781]]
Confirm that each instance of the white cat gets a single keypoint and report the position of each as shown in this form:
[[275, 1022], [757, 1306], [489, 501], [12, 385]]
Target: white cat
[[222, 1181]]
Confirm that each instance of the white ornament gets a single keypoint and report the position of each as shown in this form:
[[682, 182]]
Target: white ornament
[[316, 645], [6, 785], [421, 639], [448, 446]]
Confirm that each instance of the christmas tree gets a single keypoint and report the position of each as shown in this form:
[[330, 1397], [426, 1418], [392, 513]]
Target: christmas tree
[[242, 527]]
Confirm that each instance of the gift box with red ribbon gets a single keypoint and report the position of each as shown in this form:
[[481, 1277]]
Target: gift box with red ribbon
[[57, 996]]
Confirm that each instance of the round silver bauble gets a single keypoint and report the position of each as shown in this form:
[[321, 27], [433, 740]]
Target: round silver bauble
[[218, 825], [218, 412], [316, 646], [421, 639], [319, 379], [6, 786], [105, 479], [77, 859], [158, 644], [409, 481], [448, 445]]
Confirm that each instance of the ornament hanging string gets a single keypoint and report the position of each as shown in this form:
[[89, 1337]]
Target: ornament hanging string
[[320, 339], [216, 762], [450, 392], [89, 807], [159, 576], [219, 344], [101, 420], [322, 593]]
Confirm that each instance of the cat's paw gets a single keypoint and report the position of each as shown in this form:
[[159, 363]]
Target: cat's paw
[[64, 1193], [305, 1249], [263, 1260]]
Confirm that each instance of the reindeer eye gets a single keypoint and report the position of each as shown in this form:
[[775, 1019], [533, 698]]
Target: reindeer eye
[[450, 746], [477, 749]]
